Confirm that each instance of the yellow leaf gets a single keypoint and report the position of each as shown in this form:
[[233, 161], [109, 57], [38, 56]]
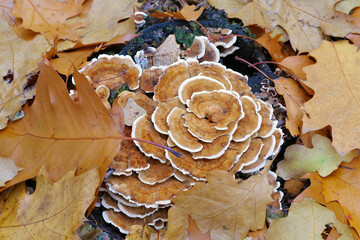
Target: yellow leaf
[[52, 211], [335, 80]]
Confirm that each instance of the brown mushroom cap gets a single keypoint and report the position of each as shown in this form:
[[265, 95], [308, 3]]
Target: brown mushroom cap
[[141, 99], [160, 114], [197, 49], [112, 71], [205, 130], [178, 132], [143, 194], [278, 133], [150, 77], [222, 107], [216, 71], [225, 41], [227, 51], [109, 203], [238, 82], [197, 84], [268, 125], [139, 18], [144, 129], [169, 83], [135, 212], [157, 172], [215, 149], [250, 123], [104, 93], [211, 52]]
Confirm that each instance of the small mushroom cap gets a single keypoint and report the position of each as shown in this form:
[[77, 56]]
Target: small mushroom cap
[[268, 124], [278, 133], [227, 51], [135, 212], [170, 82], [215, 149], [121, 199], [150, 77], [113, 72], [249, 156], [221, 107], [143, 194], [197, 49], [211, 52], [157, 172], [144, 129], [104, 93], [139, 18], [205, 130], [250, 123], [160, 114], [179, 133], [216, 71], [197, 84], [123, 222], [224, 41], [109, 203]]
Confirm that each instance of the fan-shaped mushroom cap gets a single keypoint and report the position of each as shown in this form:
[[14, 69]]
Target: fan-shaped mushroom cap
[[179, 134], [139, 19], [225, 41], [141, 99], [268, 125], [214, 149], [143, 129], [197, 84], [109, 203], [216, 71], [222, 107], [123, 222], [150, 77], [123, 97], [227, 51], [157, 172], [238, 82], [169, 83], [112, 71], [135, 212], [193, 67], [250, 123], [278, 133], [129, 158], [197, 49], [211, 52], [249, 156], [121, 199], [160, 114], [104, 93], [143, 194], [205, 130]]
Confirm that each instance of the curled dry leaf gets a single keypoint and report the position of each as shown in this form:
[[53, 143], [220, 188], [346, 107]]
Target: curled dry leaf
[[187, 13], [52, 211], [219, 206], [61, 134], [335, 102], [306, 220]]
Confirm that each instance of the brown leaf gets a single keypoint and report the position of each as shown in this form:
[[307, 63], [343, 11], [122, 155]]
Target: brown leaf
[[334, 78], [121, 38], [220, 205], [52, 211], [195, 233], [61, 134], [187, 13], [48, 17], [272, 46]]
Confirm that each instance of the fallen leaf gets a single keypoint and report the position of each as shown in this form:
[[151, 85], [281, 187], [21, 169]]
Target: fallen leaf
[[322, 158], [293, 187], [52, 211], [306, 22], [132, 111], [121, 38], [61, 134], [272, 46], [230, 6], [259, 234], [187, 13], [168, 52], [343, 186], [294, 97], [143, 232], [19, 57], [6, 7], [306, 220], [219, 206], [48, 17], [195, 233], [334, 78], [8, 170], [306, 138], [178, 223]]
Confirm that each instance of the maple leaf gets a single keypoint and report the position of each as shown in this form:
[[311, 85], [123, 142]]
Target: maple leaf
[[61, 134], [187, 13], [322, 158], [342, 186], [306, 220], [52, 211], [306, 22], [219, 206], [48, 17], [334, 78]]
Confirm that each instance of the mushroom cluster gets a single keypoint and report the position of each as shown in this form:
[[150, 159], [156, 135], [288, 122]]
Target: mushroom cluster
[[204, 111]]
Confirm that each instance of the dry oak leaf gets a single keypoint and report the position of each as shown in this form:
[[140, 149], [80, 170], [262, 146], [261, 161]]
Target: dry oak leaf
[[306, 220], [8, 170], [230, 6], [52, 211], [305, 21], [343, 186], [48, 17], [334, 78], [322, 158], [225, 206], [19, 57], [187, 13], [61, 134]]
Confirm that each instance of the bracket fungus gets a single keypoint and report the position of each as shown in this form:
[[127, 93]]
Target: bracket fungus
[[203, 111]]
